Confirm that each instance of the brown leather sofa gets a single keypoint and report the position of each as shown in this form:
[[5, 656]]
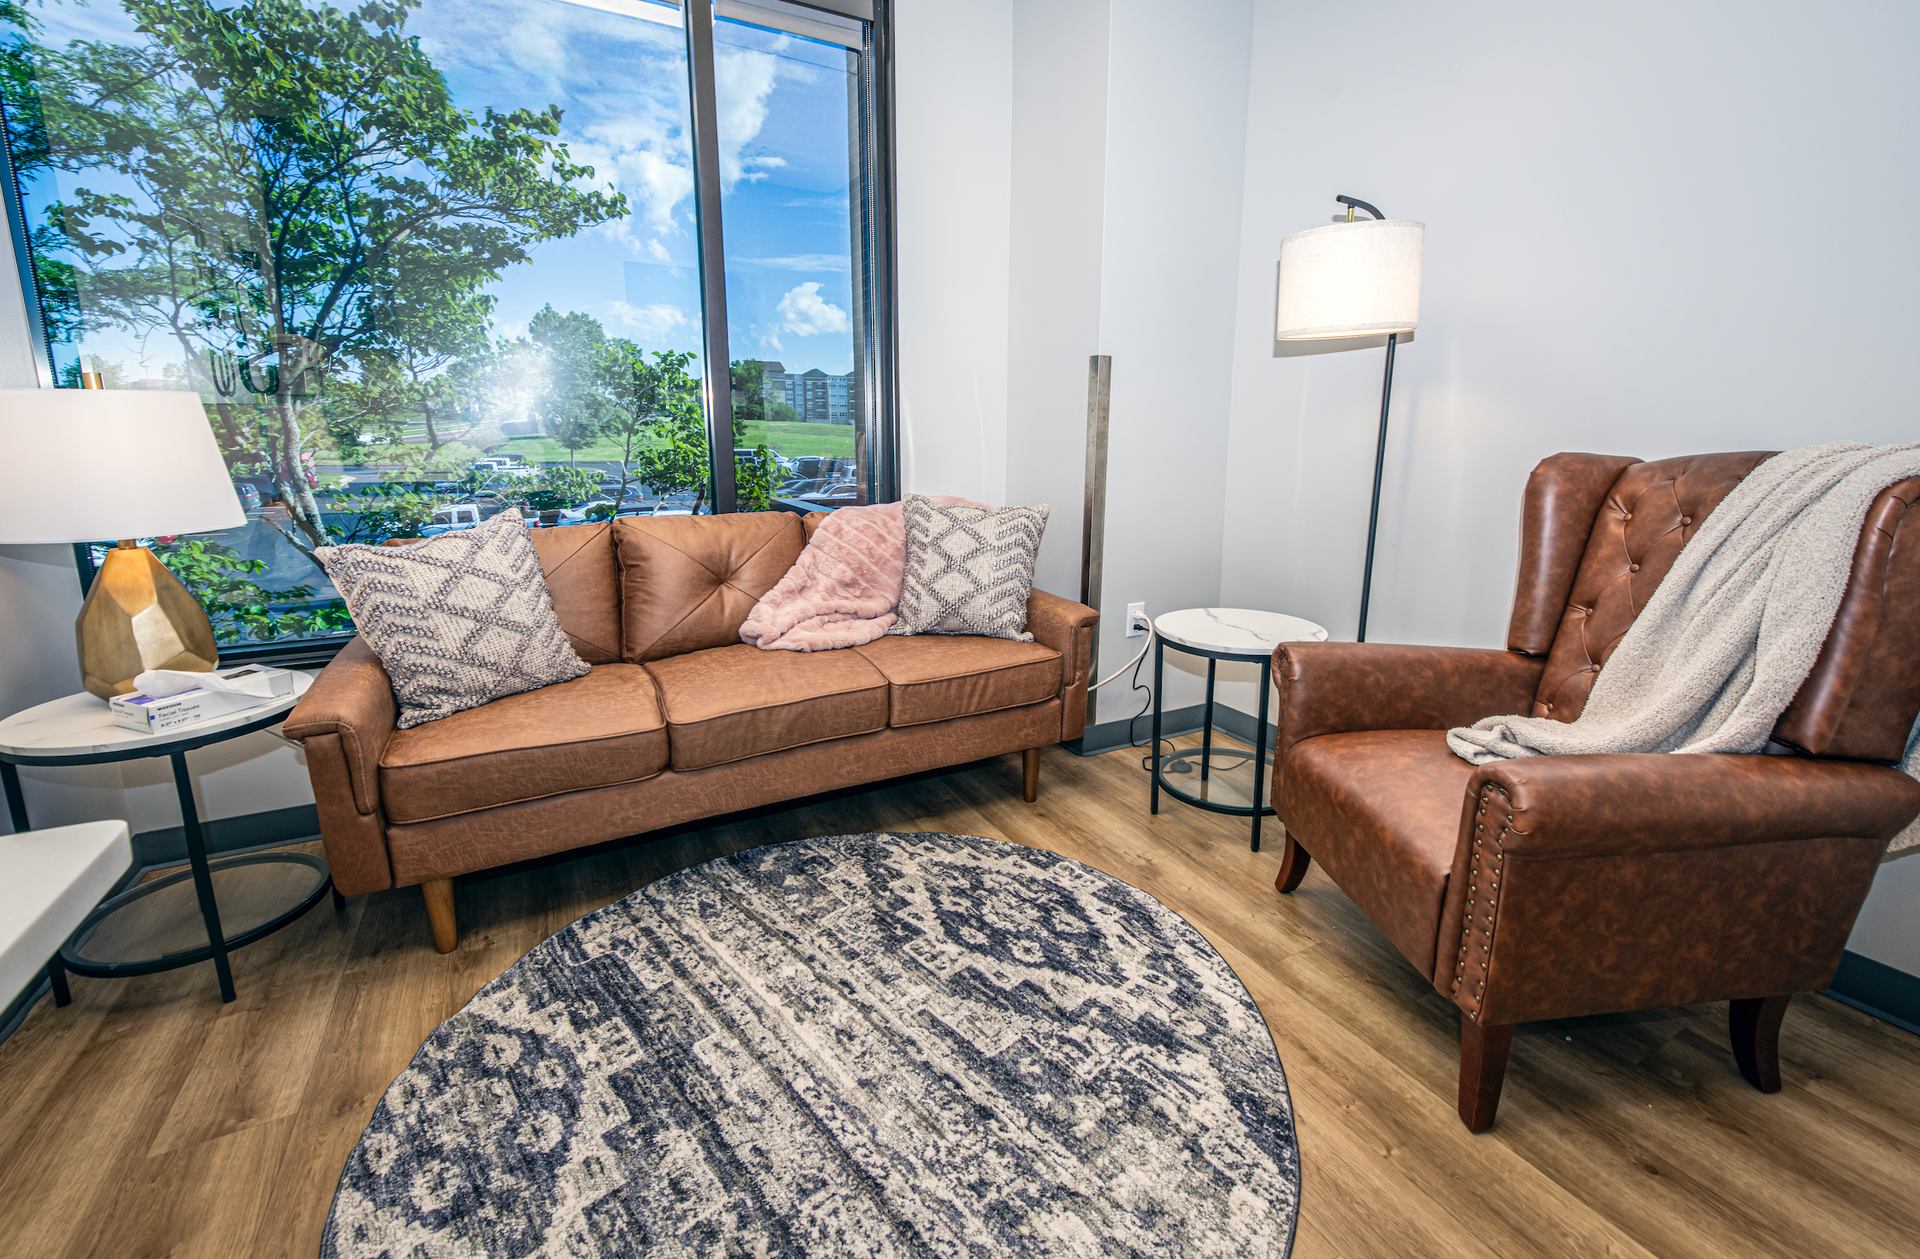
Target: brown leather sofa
[[1557, 886], [678, 719]]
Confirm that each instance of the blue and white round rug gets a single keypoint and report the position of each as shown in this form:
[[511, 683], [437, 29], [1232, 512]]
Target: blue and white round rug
[[912, 1044]]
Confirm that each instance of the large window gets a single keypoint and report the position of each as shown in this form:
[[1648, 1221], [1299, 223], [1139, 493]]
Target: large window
[[424, 260]]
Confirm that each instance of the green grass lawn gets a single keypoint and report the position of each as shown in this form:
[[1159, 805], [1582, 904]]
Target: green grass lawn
[[835, 441]]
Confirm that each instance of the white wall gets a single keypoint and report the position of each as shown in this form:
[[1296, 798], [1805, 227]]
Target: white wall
[[1176, 127], [1072, 181], [1652, 229], [1057, 207], [953, 145]]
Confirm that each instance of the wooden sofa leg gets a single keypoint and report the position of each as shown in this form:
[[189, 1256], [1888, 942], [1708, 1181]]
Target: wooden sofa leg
[[1031, 763], [1755, 1025], [1483, 1069], [1294, 861], [439, 894]]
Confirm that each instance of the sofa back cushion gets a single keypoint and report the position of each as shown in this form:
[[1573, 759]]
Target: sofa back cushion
[[584, 581], [1645, 518], [688, 582]]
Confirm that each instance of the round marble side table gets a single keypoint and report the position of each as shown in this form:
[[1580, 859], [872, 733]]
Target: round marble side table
[[79, 730], [1222, 634]]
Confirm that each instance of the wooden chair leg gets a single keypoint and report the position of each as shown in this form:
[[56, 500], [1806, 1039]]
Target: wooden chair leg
[[1031, 758], [1754, 1023], [439, 894], [1294, 861], [1483, 1069]]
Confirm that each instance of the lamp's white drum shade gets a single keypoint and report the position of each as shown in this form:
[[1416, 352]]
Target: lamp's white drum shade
[[94, 465], [1350, 280]]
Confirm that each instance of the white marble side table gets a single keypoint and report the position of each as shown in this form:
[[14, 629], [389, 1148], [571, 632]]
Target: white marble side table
[[79, 730], [1222, 634]]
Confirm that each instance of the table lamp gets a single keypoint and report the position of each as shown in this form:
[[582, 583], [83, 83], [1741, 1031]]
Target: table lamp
[[165, 475], [1354, 279]]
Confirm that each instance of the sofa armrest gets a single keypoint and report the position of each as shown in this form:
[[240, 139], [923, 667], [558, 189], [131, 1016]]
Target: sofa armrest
[[352, 698], [1591, 884], [1067, 627], [1338, 688]]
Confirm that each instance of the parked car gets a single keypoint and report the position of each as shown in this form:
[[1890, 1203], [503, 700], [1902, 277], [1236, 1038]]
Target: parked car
[[845, 494], [448, 519], [466, 513], [249, 495], [632, 503]]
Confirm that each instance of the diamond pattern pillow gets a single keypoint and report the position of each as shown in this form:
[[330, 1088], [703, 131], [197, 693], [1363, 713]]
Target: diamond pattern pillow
[[969, 569], [457, 620]]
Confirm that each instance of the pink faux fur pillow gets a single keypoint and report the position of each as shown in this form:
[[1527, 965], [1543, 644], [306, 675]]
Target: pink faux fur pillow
[[843, 589]]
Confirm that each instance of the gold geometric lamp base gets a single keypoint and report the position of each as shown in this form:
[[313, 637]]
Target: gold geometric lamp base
[[138, 617]]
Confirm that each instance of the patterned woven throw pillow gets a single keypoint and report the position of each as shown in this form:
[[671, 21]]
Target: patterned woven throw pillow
[[457, 620], [969, 569]]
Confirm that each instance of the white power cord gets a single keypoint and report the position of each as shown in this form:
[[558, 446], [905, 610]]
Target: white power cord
[[1129, 664], [1146, 623]]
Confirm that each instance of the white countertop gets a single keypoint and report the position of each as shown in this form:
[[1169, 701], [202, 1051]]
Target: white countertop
[[82, 725], [1241, 631]]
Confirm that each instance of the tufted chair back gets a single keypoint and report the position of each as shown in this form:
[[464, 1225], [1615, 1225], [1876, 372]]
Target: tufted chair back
[[688, 582], [1599, 532]]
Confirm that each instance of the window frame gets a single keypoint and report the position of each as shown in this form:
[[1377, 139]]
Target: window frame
[[872, 214]]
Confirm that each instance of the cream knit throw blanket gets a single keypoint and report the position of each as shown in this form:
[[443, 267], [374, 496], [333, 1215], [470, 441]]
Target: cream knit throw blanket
[[1716, 655]]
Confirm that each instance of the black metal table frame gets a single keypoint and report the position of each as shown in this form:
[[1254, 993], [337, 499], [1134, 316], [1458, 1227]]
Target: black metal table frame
[[200, 869], [1256, 810]]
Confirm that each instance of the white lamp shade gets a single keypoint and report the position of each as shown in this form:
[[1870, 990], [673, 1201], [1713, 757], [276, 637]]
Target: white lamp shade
[[94, 465], [1350, 280]]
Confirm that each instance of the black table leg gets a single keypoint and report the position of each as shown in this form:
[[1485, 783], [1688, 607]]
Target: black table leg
[[202, 877], [1206, 723], [1153, 761], [1260, 748], [16, 802], [57, 976]]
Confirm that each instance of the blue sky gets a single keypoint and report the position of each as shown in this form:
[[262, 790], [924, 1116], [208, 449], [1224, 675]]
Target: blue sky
[[622, 82]]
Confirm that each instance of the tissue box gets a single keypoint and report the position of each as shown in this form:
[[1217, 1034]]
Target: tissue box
[[135, 711]]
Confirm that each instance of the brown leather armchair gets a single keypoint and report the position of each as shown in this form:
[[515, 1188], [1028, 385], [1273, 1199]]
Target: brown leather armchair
[[1557, 886]]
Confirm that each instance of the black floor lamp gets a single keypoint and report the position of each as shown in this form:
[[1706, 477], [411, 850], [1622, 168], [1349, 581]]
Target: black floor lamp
[[1347, 280]]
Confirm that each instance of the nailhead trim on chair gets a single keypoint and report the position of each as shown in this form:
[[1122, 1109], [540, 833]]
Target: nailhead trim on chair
[[1475, 872]]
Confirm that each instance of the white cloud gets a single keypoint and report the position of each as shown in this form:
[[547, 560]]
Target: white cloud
[[805, 313], [540, 51], [799, 262], [742, 82], [659, 251], [649, 322], [644, 155]]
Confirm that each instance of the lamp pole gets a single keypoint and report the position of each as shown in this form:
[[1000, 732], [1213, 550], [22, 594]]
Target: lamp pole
[[1379, 462]]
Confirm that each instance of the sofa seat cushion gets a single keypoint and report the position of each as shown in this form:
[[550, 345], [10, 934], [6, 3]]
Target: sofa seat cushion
[[728, 703], [1381, 810], [934, 677], [594, 731]]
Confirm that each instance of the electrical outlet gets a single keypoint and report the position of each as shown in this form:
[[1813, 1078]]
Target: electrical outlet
[[1136, 619]]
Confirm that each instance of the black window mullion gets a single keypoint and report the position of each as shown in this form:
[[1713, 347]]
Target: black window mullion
[[718, 376], [881, 329]]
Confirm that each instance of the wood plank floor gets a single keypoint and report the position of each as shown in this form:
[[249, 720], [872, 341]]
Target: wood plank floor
[[147, 1119]]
